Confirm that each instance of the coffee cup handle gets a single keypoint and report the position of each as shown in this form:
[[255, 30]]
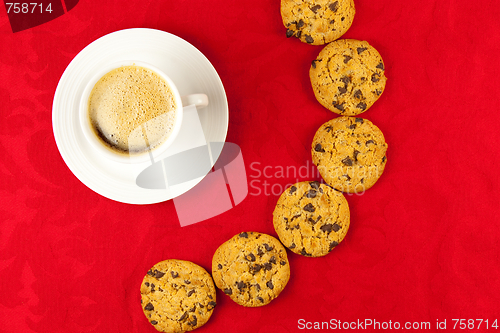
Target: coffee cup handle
[[199, 100]]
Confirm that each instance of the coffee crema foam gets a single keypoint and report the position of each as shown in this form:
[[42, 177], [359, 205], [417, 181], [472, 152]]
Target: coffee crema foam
[[132, 109]]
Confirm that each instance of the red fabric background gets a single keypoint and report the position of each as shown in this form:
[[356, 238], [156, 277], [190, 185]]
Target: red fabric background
[[424, 242]]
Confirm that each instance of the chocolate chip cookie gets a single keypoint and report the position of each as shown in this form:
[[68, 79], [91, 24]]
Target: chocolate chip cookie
[[177, 296], [311, 218], [251, 268], [348, 76], [350, 153], [317, 22]]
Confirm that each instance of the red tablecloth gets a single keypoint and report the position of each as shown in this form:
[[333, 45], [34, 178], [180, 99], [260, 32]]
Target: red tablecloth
[[424, 242]]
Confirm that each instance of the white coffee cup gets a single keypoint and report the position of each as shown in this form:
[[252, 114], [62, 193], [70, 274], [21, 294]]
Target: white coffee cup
[[97, 144]]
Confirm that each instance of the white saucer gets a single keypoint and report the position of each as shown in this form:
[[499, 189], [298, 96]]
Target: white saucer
[[189, 69]]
